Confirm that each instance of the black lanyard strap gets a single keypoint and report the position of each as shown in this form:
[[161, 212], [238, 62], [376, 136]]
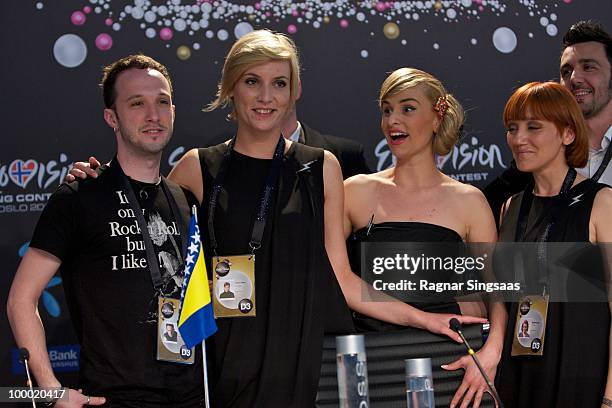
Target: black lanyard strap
[[267, 195], [604, 163], [550, 217], [152, 262]]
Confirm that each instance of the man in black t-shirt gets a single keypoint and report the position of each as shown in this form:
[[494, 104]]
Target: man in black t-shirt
[[117, 241]]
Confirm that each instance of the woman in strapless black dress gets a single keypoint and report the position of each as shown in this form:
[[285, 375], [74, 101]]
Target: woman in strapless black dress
[[548, 138], [415, 202]]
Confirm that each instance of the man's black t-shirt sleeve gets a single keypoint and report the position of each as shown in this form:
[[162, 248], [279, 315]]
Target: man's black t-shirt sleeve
[[56, 229]]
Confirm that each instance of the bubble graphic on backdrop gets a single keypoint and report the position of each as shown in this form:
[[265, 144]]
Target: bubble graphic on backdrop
[[78, 18], [183, 52], [242, 29], [391, 31], [165, 34], [70, 50], [180, 24], [504, 40], [222, 35], [104, 42], [216, 20]]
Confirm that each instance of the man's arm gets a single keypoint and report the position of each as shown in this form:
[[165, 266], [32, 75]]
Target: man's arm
[[36, 269], [53, 239]]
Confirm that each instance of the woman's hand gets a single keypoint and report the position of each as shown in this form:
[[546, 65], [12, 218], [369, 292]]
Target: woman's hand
[[83, 170], [439, 323], [473, 386]]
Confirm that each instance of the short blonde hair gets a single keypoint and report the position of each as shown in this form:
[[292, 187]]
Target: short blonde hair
[[252, 49], [450, 124]]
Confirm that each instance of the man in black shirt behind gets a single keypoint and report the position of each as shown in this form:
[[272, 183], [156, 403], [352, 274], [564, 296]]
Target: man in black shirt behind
[[118, 241]]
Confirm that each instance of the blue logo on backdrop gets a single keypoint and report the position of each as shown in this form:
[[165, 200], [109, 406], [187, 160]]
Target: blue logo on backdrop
[[51, 304], [64, 358]]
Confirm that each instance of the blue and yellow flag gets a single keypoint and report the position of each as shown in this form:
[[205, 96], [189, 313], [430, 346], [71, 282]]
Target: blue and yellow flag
[[196, 321]]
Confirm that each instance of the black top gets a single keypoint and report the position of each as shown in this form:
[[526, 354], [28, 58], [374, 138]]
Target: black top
[[573, 370], [273, 359], [399, 232], [89, 226]]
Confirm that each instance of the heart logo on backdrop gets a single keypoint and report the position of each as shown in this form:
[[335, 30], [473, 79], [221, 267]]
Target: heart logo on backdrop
[[21, 172]]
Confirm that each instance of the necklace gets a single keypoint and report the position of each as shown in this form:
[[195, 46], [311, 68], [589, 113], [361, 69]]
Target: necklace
[[143, 193]]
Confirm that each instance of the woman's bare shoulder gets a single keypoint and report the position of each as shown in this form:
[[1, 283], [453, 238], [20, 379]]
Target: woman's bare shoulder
[[465, 197], [364, 183]]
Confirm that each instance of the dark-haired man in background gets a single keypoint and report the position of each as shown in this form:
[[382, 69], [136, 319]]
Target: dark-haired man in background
[[586, 71]]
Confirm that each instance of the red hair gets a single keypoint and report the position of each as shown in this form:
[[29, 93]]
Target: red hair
[[552, 102]]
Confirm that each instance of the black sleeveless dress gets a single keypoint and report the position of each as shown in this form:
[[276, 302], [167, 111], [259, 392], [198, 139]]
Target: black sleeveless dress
[[573, 370], [399, 232], [274, 359]]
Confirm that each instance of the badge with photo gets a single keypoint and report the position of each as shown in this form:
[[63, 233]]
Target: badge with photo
[[170, 344], [530, 327], [234, 286]]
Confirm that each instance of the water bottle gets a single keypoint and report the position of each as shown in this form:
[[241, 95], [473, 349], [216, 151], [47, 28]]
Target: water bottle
[[419, 383], [352, 371]]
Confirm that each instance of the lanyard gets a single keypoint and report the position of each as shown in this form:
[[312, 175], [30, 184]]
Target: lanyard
[[152, 262], [264, 203], [550, 216], [604, 163]]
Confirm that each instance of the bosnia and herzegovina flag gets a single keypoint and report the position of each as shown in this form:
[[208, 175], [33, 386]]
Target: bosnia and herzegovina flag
[[196, 320]]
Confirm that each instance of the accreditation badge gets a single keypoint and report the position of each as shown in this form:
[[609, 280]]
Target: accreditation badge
[[170, 344], [234, 286], [530, 326]]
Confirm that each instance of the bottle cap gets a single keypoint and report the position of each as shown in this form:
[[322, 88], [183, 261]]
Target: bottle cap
[[351, 344], [418, 367]]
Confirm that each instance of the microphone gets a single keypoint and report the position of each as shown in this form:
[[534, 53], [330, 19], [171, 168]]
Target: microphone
[[455, 325], [24, 355]]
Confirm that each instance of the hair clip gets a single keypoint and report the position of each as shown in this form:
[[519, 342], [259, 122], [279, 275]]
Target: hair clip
[[441, 105]]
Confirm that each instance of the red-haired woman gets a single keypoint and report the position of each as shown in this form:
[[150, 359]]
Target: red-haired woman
[[548, 138]]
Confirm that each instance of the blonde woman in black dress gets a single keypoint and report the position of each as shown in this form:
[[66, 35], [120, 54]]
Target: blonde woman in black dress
[[415, 202]]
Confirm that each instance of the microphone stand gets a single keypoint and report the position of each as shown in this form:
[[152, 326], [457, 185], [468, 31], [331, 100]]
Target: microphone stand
[[455, 326], [24, 355]]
